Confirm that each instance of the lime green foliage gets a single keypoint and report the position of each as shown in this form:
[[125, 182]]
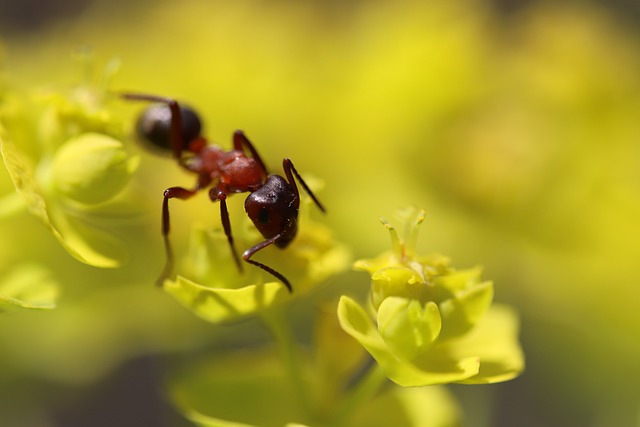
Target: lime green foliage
[[251, 388], [64, 156], [419, 407], [65, 165], [27, 286], [431, 324]]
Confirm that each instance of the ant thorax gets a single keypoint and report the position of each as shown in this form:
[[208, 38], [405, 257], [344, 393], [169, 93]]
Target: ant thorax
[[239, 173], [232, 170]]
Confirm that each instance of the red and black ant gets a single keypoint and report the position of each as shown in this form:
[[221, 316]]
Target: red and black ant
[[273, 201]]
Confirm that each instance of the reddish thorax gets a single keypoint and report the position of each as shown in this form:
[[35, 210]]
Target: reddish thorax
[[232, 171]]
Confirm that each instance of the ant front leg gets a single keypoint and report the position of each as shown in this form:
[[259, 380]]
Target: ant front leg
[[170, 193], [251, 251], [216, 194]]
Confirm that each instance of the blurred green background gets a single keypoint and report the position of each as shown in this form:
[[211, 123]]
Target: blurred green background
[[516, 124]]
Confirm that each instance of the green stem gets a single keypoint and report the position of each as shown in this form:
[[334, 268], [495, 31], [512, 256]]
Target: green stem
[[363, 392], [279, 328]]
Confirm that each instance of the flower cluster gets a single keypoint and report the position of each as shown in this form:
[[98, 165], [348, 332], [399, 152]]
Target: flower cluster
[[64, 153], [428, 323], [66, 164], [425, 324]]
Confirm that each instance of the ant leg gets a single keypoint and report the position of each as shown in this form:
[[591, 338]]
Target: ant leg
[[170, 193], [249, 253], [288, 168], [177, 143], [240, 140], [217, 194]]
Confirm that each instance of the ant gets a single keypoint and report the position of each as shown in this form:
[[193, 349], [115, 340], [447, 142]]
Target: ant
[[272, 203]]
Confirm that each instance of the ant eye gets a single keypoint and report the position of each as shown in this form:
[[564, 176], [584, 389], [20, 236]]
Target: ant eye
[[154, 126], [264, 216]]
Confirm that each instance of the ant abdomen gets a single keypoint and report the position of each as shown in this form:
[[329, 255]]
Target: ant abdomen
[[154, 126]]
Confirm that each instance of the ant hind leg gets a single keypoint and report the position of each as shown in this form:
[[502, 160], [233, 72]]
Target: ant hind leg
[[170, 193]]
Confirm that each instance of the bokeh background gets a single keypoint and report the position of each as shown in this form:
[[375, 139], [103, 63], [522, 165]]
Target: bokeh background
[[516, 124]]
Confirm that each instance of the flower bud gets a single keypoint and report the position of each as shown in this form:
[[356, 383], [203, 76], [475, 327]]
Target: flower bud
[[91, 168], [396, 280], [428, 323]]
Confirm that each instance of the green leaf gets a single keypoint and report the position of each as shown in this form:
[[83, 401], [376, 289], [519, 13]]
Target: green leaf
[[28, 286], [357, 323], [219, 305]]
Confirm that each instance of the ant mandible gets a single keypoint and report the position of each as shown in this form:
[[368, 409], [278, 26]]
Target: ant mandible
[[272, 204]]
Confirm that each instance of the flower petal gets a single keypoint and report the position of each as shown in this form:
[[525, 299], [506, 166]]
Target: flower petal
[[357, 323], [28, 286], [465, 309], [408, 327], [494, 341], [219, 305]]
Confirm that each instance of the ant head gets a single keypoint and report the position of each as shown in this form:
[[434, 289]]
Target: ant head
[[154, 126], [273, 209]]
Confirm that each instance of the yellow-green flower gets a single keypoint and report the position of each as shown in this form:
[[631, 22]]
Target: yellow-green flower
[[64, 154], [431, 324]]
